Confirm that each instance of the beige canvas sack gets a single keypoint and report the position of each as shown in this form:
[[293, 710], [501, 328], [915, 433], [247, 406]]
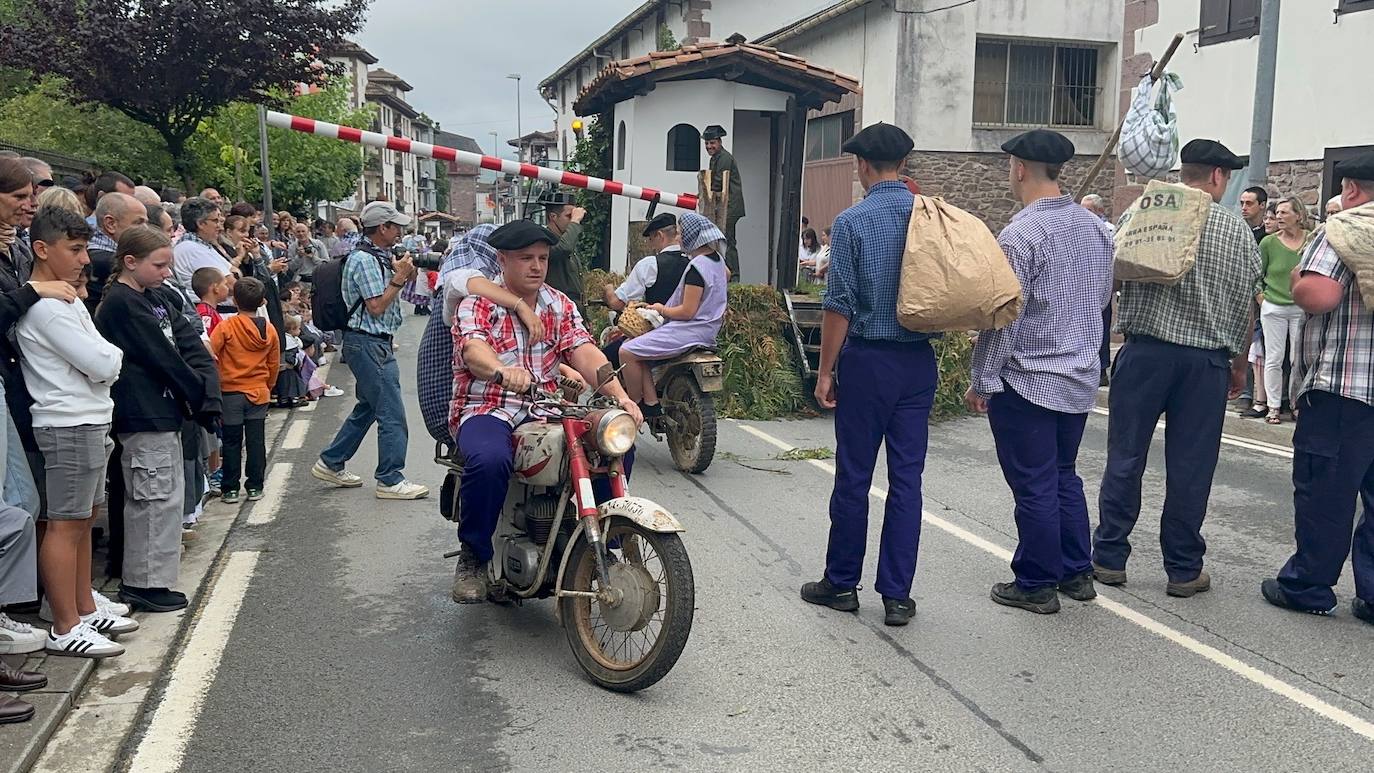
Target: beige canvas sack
[[1159, 234], [1351, 235], [954, 273]]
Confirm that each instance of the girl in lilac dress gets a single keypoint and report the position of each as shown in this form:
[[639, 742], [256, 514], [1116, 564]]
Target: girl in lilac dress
[[694, 313]]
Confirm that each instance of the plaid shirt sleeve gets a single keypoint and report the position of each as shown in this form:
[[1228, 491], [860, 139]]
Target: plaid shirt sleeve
[[1321, 259], [842, 278]]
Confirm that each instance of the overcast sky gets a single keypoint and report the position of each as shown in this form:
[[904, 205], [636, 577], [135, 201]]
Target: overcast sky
[[457, 54]]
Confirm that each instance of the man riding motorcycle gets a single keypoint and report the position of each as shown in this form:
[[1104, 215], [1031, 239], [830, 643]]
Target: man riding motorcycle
[[501, 362], [653, 279]]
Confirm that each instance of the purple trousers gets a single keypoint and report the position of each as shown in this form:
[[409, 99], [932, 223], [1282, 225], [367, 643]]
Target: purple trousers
[[885, 391]]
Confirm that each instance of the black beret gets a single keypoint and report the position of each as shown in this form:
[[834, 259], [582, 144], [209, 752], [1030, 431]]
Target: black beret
[[519, 234], [660, 221], [1210, 153], [555, 199], [1040, 145], [880, 142], [1359, 167], [713, 132]]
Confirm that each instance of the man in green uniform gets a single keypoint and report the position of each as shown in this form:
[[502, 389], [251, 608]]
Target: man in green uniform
[[721, 162], [565, 220]]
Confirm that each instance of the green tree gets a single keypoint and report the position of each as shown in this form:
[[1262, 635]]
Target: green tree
[[305, 169], [171, 64], [592, 157], [44, 118]]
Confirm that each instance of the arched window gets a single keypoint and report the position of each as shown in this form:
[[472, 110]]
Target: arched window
[[620, 146], [684, 148]]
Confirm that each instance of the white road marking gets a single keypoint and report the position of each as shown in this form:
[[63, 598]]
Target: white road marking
[[1305, 699], [164, 745], [1272, 449], [273, 489], [295, 434]]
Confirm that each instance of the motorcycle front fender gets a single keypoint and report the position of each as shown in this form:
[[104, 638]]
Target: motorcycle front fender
[[642, 511]]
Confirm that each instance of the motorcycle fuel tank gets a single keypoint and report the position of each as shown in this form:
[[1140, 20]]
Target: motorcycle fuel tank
[[540, 451]]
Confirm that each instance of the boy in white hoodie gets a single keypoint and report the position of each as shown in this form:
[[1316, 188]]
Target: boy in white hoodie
[[69, 368]]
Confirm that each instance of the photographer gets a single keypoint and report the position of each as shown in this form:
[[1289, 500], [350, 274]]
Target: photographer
[[372, 282]]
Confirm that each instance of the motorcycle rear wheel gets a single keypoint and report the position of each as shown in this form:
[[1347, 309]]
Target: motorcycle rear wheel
[[692, 434], [630, 647]]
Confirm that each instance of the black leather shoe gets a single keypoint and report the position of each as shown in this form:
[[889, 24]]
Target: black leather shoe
[[1363, 610], [152, 599], [1042, 602], [827, 595], [1079, 588], [14, 680], [898, 611], [1274, 594], [14, 710]]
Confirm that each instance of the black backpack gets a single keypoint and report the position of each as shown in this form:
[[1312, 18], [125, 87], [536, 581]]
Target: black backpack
[[327, 306]]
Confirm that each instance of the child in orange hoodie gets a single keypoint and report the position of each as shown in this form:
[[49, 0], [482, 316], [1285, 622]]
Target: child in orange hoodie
[[246, 347]]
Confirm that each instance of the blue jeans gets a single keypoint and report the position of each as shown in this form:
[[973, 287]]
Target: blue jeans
[[17, 487], [378, 387]]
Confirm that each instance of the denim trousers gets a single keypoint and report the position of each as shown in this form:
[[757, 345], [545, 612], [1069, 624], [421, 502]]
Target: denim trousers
[[17, 487], [378, 388]]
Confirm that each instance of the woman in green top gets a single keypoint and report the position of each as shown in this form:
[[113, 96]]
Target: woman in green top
[[1280, 318]]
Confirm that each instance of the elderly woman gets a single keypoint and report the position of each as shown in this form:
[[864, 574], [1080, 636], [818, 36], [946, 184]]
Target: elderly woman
[[694, 313], [1280, 317], [1333, 206], [199, 247]]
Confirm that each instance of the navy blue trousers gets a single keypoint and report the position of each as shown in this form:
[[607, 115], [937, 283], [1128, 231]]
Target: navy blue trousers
[[1038, 450], [488, 462], [885, 391], [1333, 462], [1188, 387]]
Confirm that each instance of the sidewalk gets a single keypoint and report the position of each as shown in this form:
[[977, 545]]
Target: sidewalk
[[85, 698]]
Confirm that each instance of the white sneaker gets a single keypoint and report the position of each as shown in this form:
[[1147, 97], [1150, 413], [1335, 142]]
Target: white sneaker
[[333, 391], [82, 641], [342, 478], [104, 604], [107, 624], [403, 490], [18, 638]]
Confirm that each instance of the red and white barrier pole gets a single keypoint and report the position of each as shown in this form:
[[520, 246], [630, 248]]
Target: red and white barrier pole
[[405, 145]]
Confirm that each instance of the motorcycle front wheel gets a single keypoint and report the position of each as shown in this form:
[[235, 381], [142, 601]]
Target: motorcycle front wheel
[[632, 644], [692, 434]]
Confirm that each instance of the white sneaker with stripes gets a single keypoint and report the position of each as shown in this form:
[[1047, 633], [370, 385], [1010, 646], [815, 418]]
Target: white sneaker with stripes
[[106, 624], [104, 604], [82, 641]]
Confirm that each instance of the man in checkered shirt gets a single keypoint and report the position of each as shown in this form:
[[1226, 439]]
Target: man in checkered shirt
[[1037, 378], [495, 364], [1184, 357], [1333, 447]]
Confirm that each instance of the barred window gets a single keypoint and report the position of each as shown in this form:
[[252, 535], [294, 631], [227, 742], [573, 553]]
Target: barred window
[[1035, 84]]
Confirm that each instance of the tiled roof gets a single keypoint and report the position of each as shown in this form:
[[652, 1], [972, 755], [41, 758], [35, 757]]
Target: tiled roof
[[741, 62]]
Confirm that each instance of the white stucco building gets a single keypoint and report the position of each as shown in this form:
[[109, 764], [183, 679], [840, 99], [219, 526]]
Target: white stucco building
[[1320, 114], [961, 79]]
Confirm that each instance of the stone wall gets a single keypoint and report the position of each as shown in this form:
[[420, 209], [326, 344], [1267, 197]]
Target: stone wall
[[978, 182], [462, 197], [1298, 178]]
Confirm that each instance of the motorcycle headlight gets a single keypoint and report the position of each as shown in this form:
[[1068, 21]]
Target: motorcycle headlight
[[614, 432]]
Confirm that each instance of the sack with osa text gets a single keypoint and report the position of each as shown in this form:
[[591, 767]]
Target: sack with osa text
[[1159, 234]]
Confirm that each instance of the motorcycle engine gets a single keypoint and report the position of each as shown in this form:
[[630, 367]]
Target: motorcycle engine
[[521, 557], [538, 512]]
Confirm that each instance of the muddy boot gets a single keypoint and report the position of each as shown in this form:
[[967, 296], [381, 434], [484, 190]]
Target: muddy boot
[[470, 584]]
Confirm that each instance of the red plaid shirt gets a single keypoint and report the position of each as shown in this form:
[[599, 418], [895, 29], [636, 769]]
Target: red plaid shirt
[[481, 320]]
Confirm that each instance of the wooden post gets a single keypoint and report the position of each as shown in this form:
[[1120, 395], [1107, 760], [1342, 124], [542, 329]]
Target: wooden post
[[1155, 74], [793, 158]]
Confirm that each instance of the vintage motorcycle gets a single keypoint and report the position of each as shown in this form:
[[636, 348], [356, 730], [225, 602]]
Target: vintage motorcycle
[[686, 388], [617, 569]]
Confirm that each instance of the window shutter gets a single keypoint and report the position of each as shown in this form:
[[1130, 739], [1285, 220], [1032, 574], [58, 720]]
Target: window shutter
[[1215, 22], [1244, 17]]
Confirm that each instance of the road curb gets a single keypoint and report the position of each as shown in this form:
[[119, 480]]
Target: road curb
[[69, 677]]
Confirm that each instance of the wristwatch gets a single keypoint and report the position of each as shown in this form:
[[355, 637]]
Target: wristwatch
[[499, 378], [398, 287]]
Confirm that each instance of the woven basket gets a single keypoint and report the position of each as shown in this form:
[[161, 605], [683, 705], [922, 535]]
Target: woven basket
[[632, 323]]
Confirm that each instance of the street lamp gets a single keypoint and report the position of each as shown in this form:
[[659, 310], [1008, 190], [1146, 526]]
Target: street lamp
[[495, 147], [519, 132]]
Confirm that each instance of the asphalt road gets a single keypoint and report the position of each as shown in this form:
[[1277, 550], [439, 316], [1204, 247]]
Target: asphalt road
[[347, 654]]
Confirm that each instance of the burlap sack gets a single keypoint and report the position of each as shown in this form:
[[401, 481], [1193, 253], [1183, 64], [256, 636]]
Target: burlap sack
[[1159, 234], [1351, 235], [954, 273]]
